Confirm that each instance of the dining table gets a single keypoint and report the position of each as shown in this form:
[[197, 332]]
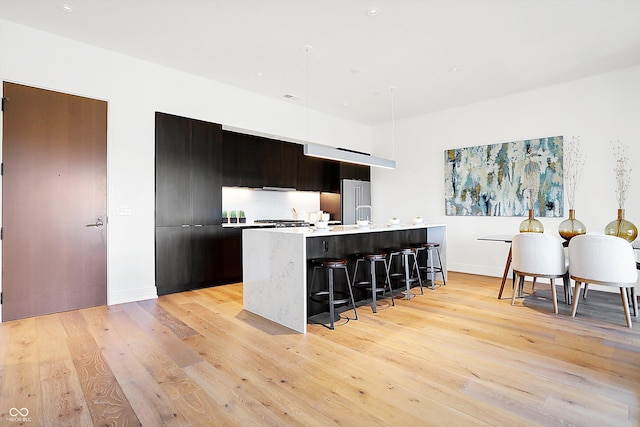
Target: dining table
[[508, 238], [505, 238]]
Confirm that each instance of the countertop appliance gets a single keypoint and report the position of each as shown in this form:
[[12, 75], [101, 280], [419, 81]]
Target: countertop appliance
[[281, 223], [355, 201]]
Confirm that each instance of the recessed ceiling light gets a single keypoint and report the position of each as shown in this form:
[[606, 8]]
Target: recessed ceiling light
[[373, 11], [66, 7], [454, 69]]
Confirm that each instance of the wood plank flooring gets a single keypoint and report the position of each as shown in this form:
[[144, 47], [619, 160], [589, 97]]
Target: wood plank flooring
[[456, 356]]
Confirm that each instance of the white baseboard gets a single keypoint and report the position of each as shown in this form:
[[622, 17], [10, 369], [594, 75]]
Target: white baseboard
[[132, 295]]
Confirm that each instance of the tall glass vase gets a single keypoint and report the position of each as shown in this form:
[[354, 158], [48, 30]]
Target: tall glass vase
[[531, 225], [571, 227], [622, 228]]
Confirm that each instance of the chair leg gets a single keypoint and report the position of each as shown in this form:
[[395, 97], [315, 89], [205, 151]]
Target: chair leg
[[576, 298], [634, 301], [331, 305], [374, 285], [567, 288], [554, 296], [533, 286], [415, 265], [444, 282], [625, 305], [517, 288], [349, 286], [388, 280]]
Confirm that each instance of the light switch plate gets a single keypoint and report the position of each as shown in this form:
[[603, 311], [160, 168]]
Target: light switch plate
[[124, 211]]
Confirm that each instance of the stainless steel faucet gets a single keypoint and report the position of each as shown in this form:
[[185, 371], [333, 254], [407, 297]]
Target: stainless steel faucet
[[363, 207]]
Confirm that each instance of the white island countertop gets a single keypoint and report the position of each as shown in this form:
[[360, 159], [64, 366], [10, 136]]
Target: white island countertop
[[275, 260], [333, 230]]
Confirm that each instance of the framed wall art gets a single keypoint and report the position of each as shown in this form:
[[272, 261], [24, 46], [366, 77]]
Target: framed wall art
[[505, 179]]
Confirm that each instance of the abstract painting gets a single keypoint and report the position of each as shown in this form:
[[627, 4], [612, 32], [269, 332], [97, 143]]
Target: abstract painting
[[505, 179]]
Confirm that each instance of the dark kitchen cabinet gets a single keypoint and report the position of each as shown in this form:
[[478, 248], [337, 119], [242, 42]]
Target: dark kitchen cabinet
[[243, 160], [343, 170], [173, 172], [188, 203], [281, 163], [232, 256], [314, 174]]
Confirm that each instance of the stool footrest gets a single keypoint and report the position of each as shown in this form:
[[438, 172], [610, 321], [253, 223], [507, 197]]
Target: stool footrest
[[323, 296]]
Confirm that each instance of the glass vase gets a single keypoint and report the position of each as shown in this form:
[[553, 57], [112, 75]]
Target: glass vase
[[622, 228], [571, 227], [531, 225]]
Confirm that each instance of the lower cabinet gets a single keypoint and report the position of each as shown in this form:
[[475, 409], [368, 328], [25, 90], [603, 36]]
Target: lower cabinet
[[188, 258], [232, 256]]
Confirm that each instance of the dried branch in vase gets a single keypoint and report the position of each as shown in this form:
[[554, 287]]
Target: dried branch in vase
[[573, 166], [623, 172]]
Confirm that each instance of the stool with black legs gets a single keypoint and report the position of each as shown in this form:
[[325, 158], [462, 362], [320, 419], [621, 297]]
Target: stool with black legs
[[329, 295], [407, 258], [371, 282], [431, 251]]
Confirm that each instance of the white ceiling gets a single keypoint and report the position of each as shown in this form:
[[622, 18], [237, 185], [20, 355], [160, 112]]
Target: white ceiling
[[498, 47]]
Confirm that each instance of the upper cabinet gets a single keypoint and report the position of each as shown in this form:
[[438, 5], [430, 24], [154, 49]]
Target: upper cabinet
[[243, 160], [281, 164], [188, 171], [253, 161]]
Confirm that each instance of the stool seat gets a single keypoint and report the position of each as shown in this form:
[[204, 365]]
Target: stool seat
[[333, 262]]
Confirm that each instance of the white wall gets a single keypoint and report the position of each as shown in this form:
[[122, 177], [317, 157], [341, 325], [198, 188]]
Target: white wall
[[135, 90], [598, 109]]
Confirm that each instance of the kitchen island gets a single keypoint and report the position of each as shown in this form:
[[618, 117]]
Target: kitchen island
[[276, 262]]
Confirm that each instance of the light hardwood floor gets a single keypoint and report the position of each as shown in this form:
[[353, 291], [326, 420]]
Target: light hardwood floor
[[456, 356]]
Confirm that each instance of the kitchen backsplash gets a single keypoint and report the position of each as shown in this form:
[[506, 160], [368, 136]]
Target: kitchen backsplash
[[264, 204]]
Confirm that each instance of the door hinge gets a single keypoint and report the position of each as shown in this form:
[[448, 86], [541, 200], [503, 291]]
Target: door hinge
[[1, 297], [3, 101], [1, 233], [2, 168]]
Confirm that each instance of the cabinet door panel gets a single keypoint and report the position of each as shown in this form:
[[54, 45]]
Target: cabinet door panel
[[243, 160], [280, 163], [206, 173], [173, 259], [173, 199], [207, 261], [232, 256]]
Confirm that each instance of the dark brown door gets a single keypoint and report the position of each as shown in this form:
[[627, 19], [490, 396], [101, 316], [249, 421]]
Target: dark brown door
[[54, 194]]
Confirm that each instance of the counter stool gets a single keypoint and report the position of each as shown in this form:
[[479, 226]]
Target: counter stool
[[429, 268], [404, 255], [329, 295], [373, 259]]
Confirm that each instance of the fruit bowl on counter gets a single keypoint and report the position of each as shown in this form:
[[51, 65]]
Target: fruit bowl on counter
[[363, 223], [394, 221], [321, 224]]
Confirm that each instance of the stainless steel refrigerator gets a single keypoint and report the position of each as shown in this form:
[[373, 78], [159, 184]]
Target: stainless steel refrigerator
[[355, 196]]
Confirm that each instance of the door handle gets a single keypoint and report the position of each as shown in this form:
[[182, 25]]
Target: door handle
[[99, 224]]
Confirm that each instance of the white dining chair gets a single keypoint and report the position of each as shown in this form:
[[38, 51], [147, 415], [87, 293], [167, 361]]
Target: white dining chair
[[539, 255], [604, 260]]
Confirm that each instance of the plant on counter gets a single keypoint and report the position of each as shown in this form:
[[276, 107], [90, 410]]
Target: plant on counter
[[242, 217], [233, 218], [225, 217]]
